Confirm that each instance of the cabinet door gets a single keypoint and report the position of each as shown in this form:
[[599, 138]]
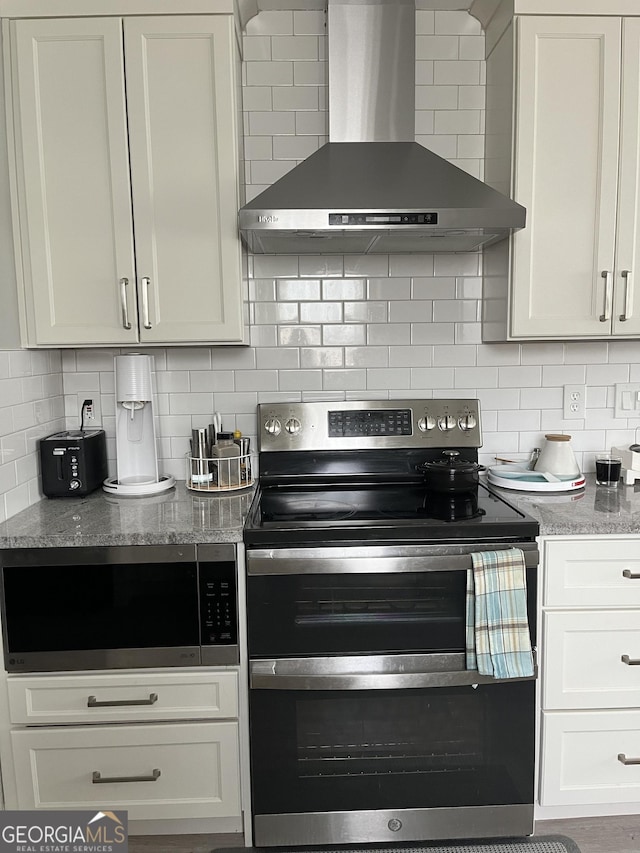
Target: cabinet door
[[566, 167], [184, 163], [73, 177], [626, 315]]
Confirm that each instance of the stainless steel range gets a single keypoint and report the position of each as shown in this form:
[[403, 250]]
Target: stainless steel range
[[365, 724]]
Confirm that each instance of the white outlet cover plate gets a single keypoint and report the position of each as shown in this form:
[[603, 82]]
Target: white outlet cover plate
[[627, 400], [96, 421]]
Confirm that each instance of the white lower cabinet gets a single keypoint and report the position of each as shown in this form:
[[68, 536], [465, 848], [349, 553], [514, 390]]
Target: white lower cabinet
[[588, 758], [162, 745], [174, 770], [590, 690]]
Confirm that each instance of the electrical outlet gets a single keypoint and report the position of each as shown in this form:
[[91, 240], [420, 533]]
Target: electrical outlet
[[92, 413], [574, 403]]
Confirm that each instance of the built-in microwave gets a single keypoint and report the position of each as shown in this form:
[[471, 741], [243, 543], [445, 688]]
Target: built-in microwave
[[118, 607]]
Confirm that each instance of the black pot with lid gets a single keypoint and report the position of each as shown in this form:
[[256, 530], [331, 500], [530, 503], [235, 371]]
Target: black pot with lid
[[450, 474]]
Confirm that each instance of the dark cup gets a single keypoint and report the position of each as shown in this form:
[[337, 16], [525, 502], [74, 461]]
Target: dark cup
[[608, 470]]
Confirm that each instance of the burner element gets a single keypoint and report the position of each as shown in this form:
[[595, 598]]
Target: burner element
[[453, 507]]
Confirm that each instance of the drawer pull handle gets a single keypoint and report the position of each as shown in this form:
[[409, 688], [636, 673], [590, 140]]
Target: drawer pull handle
[[97, 779], [92, 702], [622, 758], [627, 573], [630, 661]]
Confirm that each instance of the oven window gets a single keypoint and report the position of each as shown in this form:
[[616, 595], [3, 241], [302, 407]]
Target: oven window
[[87, 607], [301, 615], [429, 748]]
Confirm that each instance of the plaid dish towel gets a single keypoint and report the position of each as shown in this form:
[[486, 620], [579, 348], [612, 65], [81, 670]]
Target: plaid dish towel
[[498, 642]]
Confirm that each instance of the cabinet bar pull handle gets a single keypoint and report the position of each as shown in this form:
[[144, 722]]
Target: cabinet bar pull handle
[[145, 302], [630, 661], [606, 275], [627, 573], [124, 282], [92, 702], [628, 295], [622, 758], [97, 779]]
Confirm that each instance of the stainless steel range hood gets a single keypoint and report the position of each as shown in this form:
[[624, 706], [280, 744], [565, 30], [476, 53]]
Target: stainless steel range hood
[[372, 189]]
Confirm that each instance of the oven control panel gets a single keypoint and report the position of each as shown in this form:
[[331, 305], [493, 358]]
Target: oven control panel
[[370, 424]]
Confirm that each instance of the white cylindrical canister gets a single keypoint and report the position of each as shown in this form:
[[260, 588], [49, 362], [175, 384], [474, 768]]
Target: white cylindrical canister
[[133, 377]]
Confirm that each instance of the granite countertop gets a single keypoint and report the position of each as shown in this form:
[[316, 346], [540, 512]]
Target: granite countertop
[[592, 510], [183, 517], [176, 517]]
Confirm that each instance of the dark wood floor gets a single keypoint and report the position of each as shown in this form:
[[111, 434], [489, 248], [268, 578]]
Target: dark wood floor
[[592, 835]]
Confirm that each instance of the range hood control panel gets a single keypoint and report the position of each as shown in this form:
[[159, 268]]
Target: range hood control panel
[[383, 219]]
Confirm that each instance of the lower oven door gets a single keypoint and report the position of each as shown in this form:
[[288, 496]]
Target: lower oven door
[[357, 761]]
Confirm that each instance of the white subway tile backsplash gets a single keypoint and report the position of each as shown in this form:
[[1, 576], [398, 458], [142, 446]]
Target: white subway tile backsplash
[[298, 291], [268, 266], [410, 265], [296, 98], [366, 265], [409, 356], [436, 47], [432, 333], [344, 335], [435, 98], [309, 22], [256, 48], [294, 147], [260, 147], [458, 23], [344, 380], [368, 356], [392, 334], [607, 374], [386, 288], [269, 74], [431, 378], [269, 171], [312, 357], [424, 73], [210, 380], [298, 47], [520, 377], [309, 123], [456, 356], [301, 380], [389, 378], [321, 266], [300, 336], [367, 312], [310, 74], [271, 123], [471, 47], [456, 72], [321, 312], [476, 377], [457, 122]]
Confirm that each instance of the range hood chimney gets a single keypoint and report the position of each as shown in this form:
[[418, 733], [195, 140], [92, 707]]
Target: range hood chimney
[[372, 189]]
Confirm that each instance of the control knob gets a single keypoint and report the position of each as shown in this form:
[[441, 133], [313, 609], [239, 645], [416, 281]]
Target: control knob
[[467, 422], [75, 484], [293, 426], [426, 423], [446, 423], [273, 426]]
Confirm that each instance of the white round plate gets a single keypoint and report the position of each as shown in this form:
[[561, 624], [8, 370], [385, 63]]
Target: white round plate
[[530, 481]]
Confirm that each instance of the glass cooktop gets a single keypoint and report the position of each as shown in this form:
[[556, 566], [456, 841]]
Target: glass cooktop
[[404, 512]]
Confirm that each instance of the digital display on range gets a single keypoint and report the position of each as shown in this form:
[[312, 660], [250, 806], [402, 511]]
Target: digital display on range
[[350, 424]]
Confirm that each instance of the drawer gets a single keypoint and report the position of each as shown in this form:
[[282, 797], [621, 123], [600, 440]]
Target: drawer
[[580, 762], [196, 765], [122, 697], [582, 662], [592, 573]]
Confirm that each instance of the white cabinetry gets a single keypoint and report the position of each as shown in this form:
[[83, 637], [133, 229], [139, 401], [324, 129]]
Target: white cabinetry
[[163, 745], [127, 179], [573, 271], [590, 726]]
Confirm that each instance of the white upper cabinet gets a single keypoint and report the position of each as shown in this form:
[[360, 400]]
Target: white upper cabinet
[[576, 168], [126, 153]]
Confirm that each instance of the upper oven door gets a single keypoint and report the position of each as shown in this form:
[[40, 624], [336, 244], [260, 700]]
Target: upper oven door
[[310, 602], [99, 608]]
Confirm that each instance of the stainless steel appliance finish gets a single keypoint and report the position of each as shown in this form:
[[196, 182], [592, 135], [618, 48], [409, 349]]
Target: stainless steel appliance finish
[[69, 609], [370, 424], [372, 188], [360, 701]]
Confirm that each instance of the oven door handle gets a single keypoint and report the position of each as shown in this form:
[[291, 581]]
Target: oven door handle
[[296, 674], [320, 561]]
